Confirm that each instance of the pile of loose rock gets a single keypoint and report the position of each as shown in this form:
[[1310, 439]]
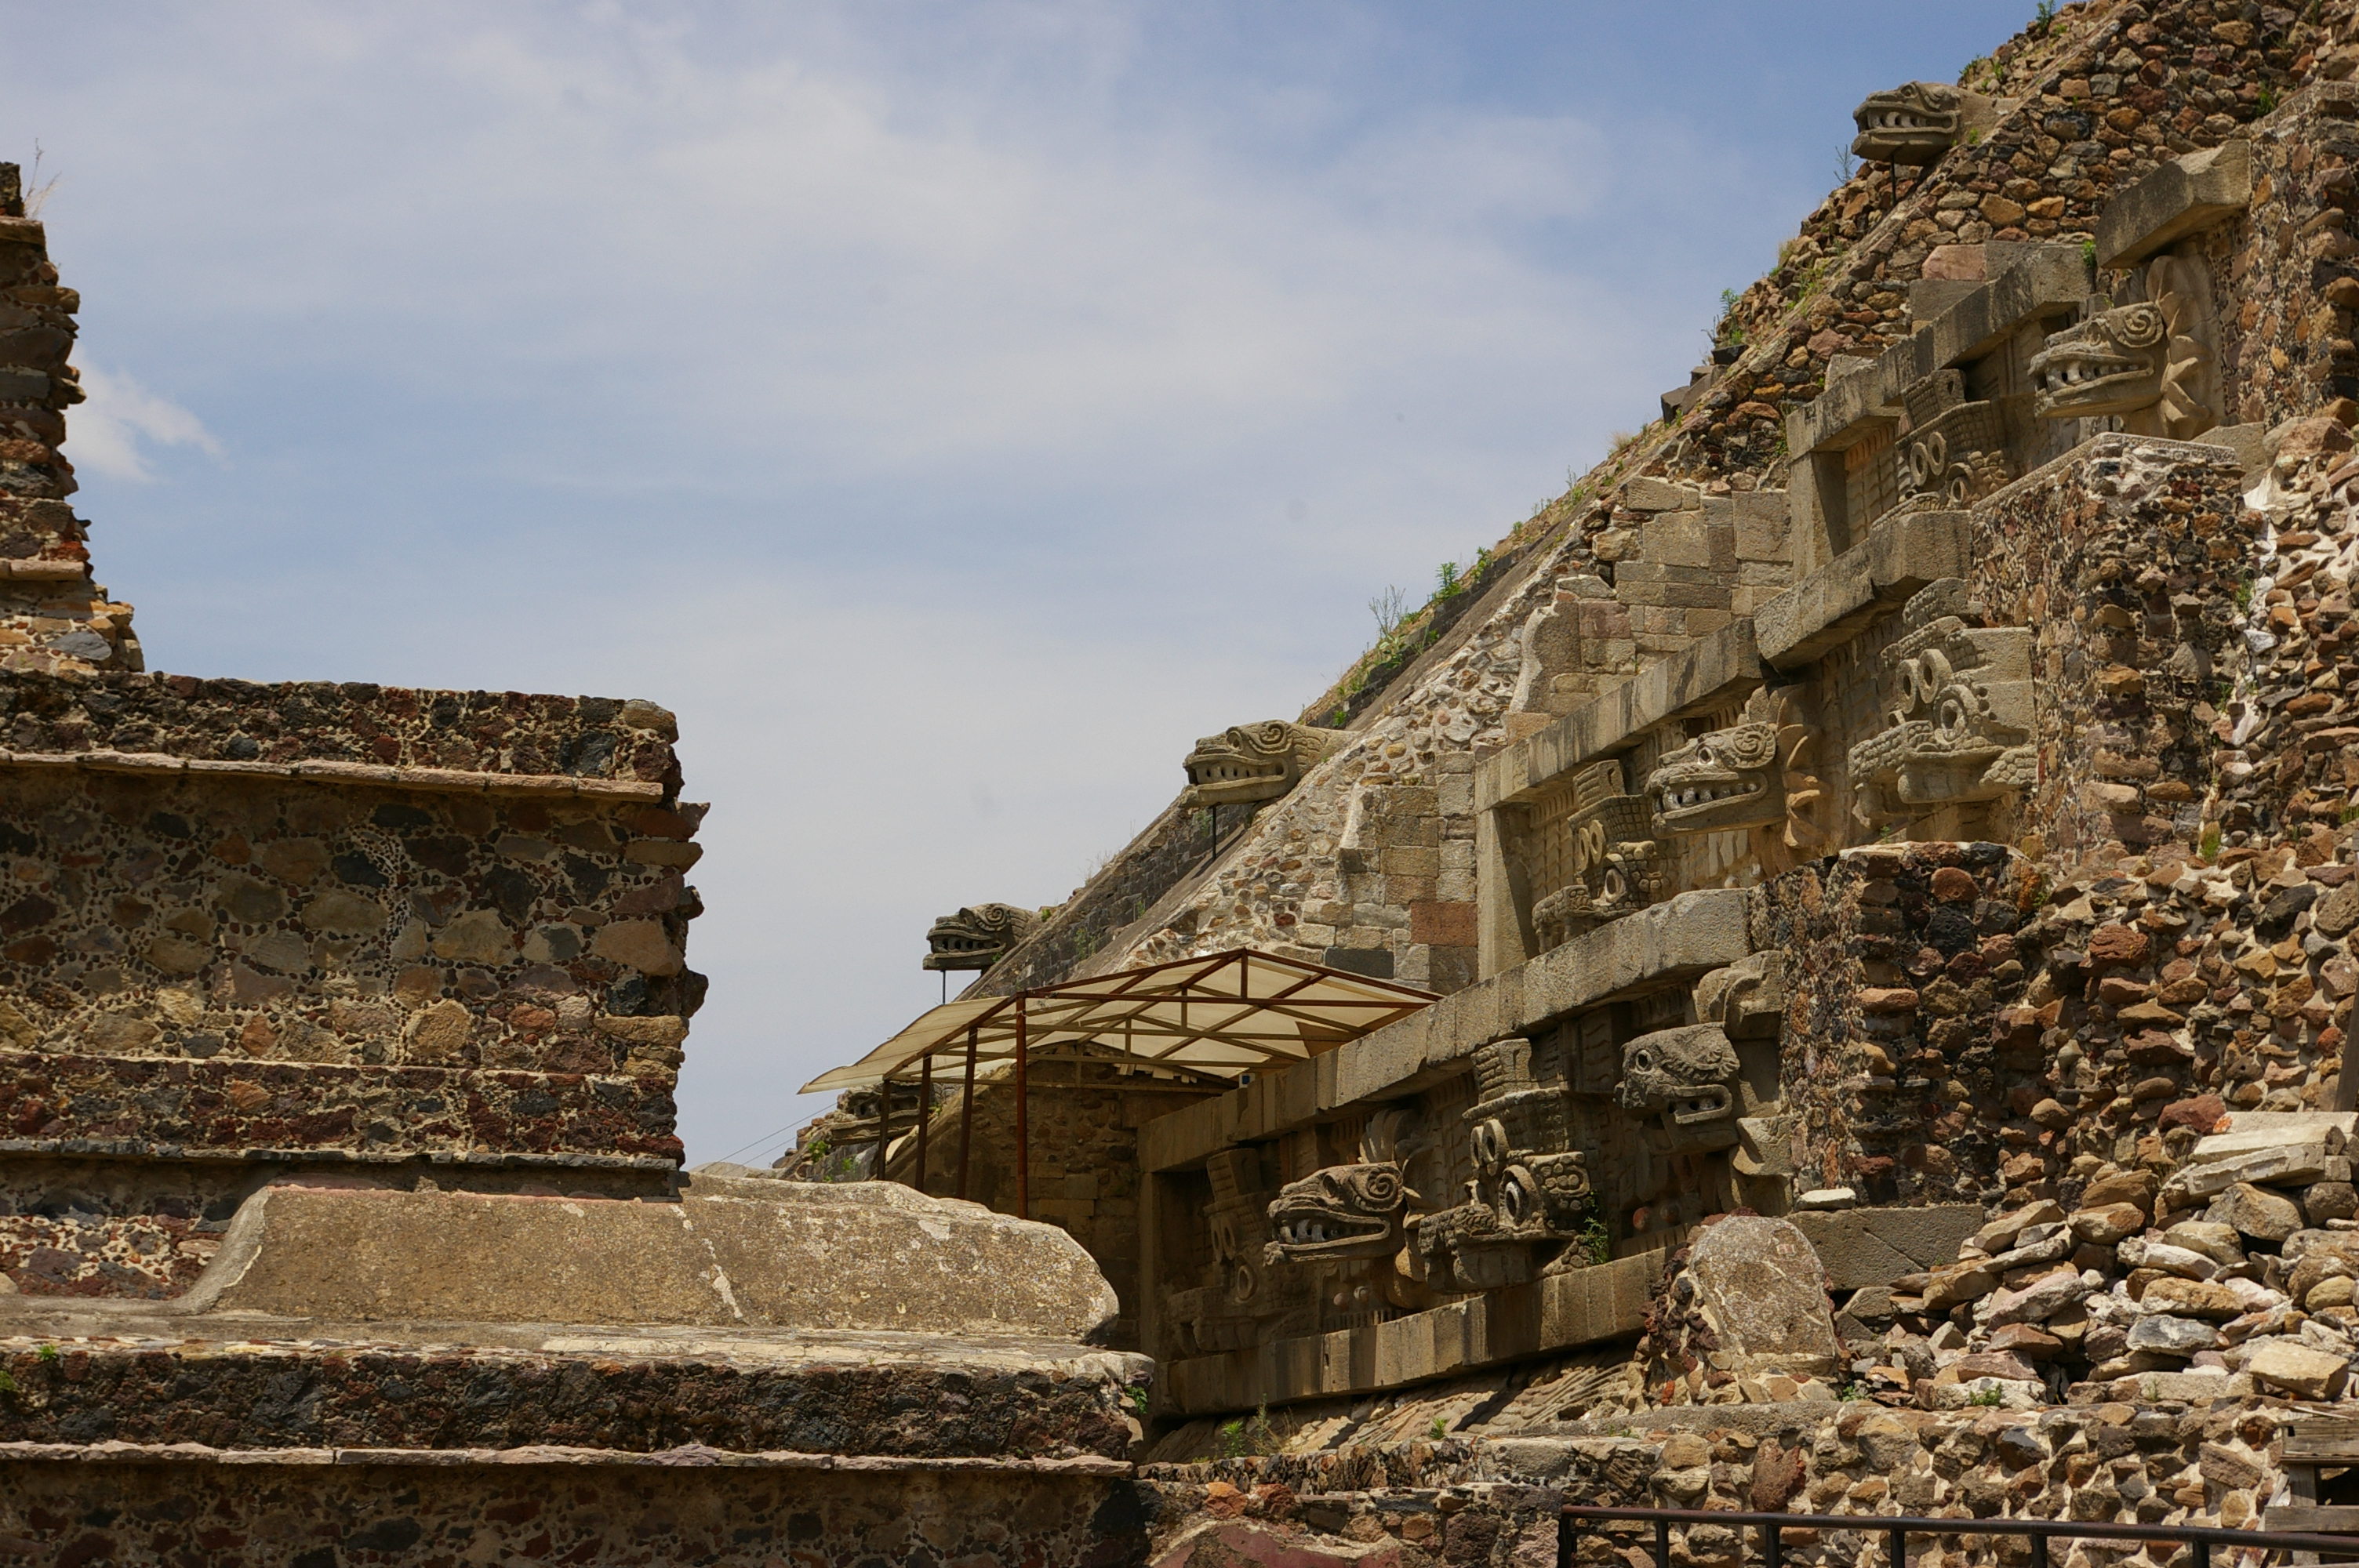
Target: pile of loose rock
[[2233, 1277]]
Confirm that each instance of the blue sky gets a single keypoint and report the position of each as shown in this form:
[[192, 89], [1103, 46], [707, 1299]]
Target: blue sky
[[949, 410]]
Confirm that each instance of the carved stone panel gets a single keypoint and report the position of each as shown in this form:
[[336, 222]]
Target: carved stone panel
[[1960, 722]]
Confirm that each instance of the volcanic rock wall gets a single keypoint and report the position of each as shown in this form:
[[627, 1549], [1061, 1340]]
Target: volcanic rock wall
[[254, 929]]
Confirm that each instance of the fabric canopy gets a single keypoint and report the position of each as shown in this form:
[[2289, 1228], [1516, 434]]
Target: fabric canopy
[[1224, 1014]]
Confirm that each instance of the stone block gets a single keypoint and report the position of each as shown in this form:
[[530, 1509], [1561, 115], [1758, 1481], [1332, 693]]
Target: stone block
[[1448, 924], [760, 1253], [1759, 1284], [1899, 557], [2181, 198], [1864, 1246], [1717, 671], [2250, 1132], [1688, 539], [1648, 494]]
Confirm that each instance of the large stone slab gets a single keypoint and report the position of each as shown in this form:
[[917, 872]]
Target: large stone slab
[[763, 1254], [2250, 1131], [1864, 1246], [1902, 556], [1759, 1284], [2179, 199]]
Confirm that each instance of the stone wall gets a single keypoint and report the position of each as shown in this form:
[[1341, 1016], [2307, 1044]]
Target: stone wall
[[320, 1507]]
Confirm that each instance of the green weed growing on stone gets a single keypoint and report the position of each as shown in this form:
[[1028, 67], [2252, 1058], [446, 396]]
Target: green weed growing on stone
[[1446, 579], [1137, 1397], [1597, 1241], [1440, 1431], [7, 1383], [1851, 1391], [2088, 253], [2266, 101], [2045, 14], [1987, 1396], [1232, 1440], [2211, 844], [47, 1353], [2153, 1391]]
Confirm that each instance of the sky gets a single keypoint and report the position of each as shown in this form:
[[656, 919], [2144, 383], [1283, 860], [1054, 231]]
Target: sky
[[949, 410]]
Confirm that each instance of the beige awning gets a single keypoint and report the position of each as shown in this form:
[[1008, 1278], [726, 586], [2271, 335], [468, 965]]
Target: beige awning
[[1224, 1014]]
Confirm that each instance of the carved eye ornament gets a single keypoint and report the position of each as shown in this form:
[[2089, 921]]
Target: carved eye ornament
[[2139, 326]]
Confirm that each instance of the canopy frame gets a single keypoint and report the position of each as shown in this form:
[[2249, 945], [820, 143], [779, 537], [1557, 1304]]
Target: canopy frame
[[1222, 1015]]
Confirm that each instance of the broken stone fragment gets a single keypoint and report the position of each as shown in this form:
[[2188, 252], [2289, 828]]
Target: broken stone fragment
[[2299, 1369], [2256, 1212], [2165, 1336], [2107, 1225], [2172, 1296], [2040, 1300]]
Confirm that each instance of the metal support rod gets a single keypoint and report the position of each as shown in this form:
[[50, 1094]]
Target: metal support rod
[[1898, 1547], [2038, 1551], [2202, 1554], [1662, 1544], [1773, 1546], [1567, 1540], [1023, 1122], [966, 1108], [925, 1116]]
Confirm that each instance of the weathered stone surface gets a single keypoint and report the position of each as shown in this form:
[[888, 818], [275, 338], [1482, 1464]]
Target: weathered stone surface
[[781, 1254], [2104, 1226], [2250, 1131], [2172, 1335], [2256, 1212], [1759, 1282], [2178, 199], [1861, 1247], [2300, 1370], [2191, 1298], [1902, 555]]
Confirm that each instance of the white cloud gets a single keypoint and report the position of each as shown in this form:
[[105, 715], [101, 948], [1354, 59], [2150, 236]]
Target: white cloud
[[107, 433]]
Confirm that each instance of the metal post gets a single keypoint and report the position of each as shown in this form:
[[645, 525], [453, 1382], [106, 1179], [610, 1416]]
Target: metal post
[[2039, 1551], [1023, 1121], [1662, 1544], [1898, 1547], [966, 1108], [1567, 1540], [1774, 1547], [2204, 1554], [925, 1116]]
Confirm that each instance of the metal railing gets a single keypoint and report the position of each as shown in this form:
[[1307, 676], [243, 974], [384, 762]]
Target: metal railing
[[1896, 1529]]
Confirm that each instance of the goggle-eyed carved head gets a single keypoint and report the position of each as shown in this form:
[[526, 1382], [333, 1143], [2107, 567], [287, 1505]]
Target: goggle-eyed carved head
[[2112, 363], [1914, 122], [1728, 779]]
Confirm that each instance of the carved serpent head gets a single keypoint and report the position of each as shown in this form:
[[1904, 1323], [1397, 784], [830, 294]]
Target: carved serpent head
[[1253, 762], [1727, 779], [1914, 122]]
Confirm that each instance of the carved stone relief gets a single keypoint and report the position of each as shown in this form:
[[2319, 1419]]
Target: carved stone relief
[[1593, 853], [2153, 364], [1349, 1224], [1754, 775], [1249, 762], [1530, 1190], [1960, 724], [978, 935], [1917, 122], [1238, 1305], [1955, 451]]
